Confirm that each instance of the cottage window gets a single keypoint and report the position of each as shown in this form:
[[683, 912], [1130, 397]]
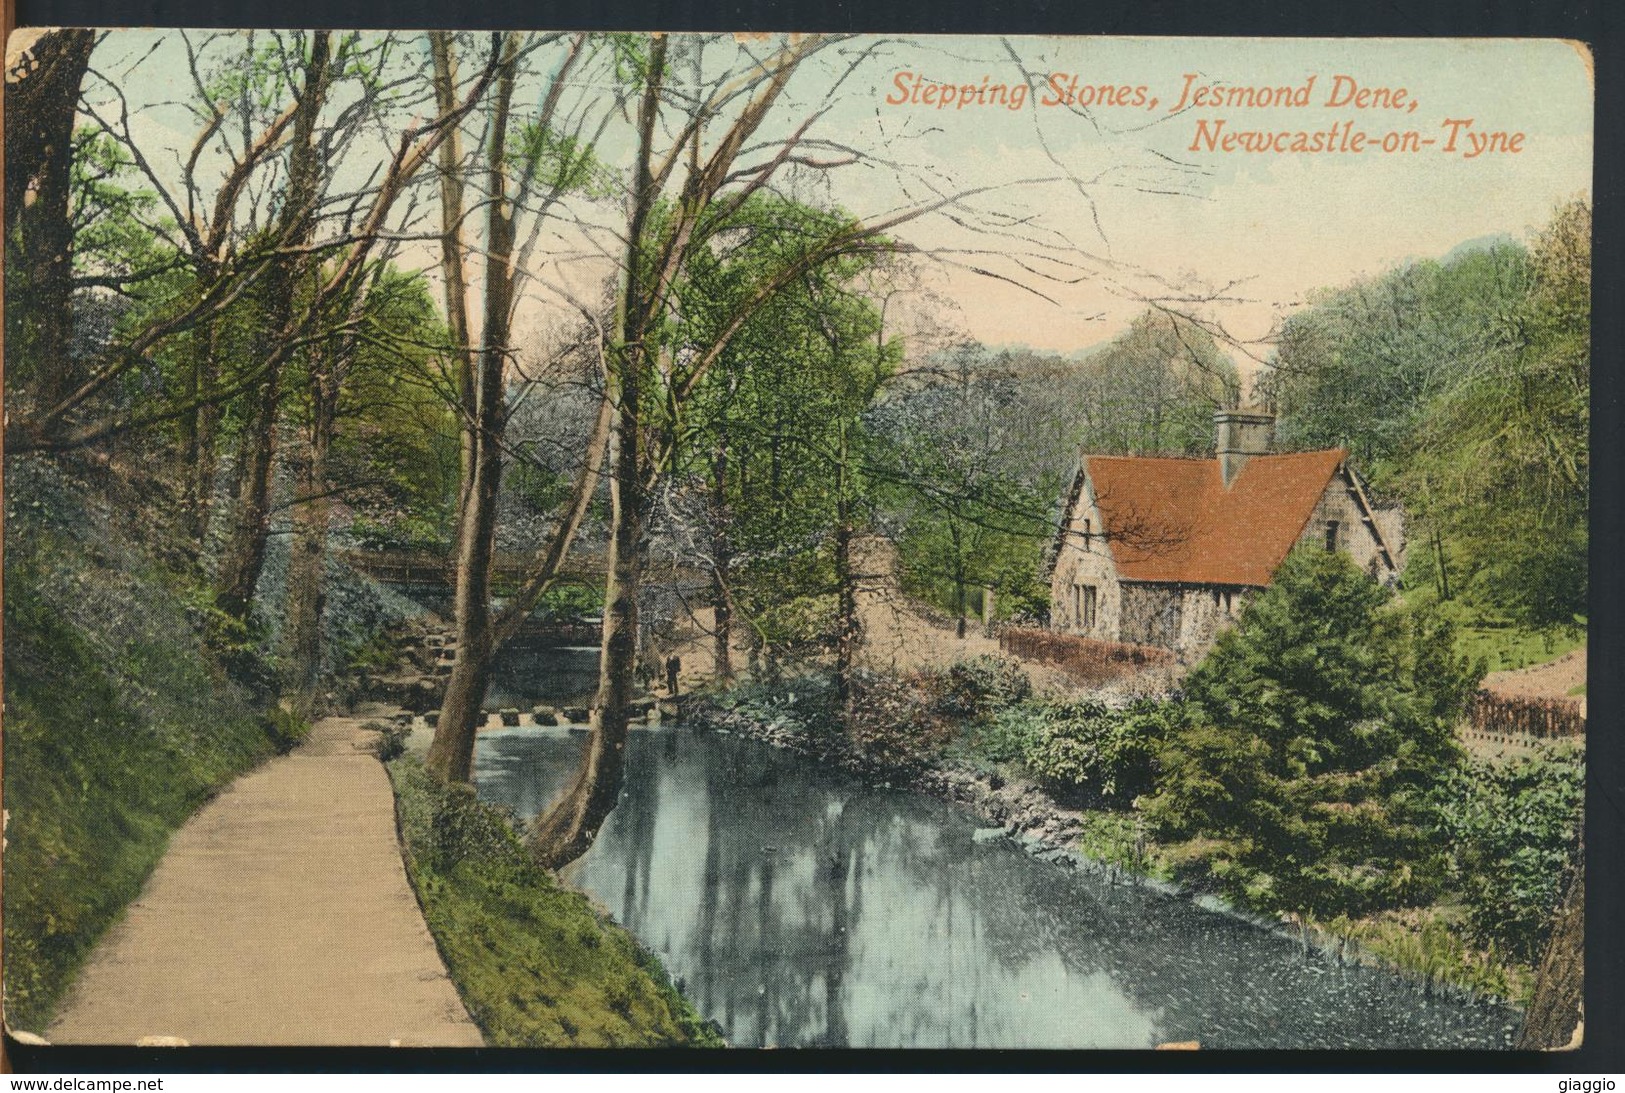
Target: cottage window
[[1086, 614], [1331, 536]]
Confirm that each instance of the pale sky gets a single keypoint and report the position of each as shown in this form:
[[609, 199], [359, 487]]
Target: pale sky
[[1277, 226], [1139, 205]]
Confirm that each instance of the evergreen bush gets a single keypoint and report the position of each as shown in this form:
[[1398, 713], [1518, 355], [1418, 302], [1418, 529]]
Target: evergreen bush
[[1315, 727]]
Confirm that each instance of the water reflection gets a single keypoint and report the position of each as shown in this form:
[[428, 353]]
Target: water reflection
[[531, 671], [801, 908]]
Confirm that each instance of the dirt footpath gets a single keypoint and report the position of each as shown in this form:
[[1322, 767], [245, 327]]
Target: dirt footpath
[[1554, 679], [280, 915]]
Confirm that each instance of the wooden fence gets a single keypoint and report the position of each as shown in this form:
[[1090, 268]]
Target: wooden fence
[[1540, 718], [1084, 659]]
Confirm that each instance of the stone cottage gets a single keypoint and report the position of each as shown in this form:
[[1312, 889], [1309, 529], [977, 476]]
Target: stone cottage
[[1166, 551]]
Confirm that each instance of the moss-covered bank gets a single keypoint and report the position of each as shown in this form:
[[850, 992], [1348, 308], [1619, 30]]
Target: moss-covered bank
[[115, 728], [536, 965]]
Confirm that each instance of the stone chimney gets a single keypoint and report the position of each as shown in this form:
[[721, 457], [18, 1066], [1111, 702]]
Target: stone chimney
[[1242, 434]]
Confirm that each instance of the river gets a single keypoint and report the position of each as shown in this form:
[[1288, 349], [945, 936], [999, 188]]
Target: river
[[799, 907]]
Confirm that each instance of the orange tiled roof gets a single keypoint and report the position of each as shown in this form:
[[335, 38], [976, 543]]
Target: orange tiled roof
[[1173, 520]]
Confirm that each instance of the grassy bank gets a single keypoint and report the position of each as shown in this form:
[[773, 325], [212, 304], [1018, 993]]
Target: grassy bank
[[535, 964], [115, 732], [1508, 648]]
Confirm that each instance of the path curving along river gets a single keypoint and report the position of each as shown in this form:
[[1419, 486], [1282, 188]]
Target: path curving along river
[[800, 907]]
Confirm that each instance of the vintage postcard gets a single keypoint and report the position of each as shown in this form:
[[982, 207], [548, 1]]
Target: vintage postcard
[[577, 539]]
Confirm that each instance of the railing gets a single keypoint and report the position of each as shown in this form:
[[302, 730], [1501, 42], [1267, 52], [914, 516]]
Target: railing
[[1511, 715], [1084, 659]]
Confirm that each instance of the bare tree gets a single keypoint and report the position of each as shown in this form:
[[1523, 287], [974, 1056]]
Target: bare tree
[[481, 373], [649, 384]]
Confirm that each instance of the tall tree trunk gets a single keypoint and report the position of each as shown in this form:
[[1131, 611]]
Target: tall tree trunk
[[40, 106], [722, 565], [1443, 563], [244, 555], [848, 632], [302, 627], [202, 429], [243, 558], [452, 271], [958, 578], [451, 754], [567, 829]]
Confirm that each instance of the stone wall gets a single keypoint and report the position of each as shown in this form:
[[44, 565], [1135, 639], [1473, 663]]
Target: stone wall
[[1341, 504], [1205, 611], [1077, 567], [1151, 614]]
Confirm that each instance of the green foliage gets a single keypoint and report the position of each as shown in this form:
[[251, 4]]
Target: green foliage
[[1433, 943], [805, 705], [395, 452], [535, 964], [560, 162], [959, 494], [793, 623], [376, 652], [982, 684], [1079, 749], [1512, 829], [1358, 368], [1463, 387], [570, 601], [113, 736], [1505, 648], [900, 722], [1118, 837], [285, 727], [1316, 724], [1153, 389], [110, 236], [404, 531], [771, 441]]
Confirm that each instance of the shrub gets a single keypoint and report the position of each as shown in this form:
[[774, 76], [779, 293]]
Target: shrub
[[285, 727], [378, 651], [806, 705], [971, 688], [900, 722], [391, 743], [1314, 728], [1082, 750], [1511, 829]]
